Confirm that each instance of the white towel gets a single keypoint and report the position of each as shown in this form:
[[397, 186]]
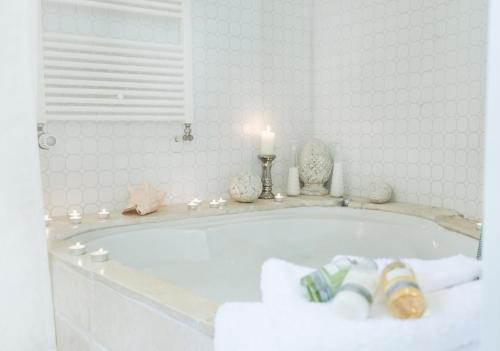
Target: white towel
[[280, 279], [288, 322], [452, 323]]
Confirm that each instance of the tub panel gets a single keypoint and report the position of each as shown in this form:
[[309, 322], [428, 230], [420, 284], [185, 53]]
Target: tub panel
[[122, 324]]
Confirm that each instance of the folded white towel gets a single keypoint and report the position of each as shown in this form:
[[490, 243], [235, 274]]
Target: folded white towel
[[452, 323], [280, 279]]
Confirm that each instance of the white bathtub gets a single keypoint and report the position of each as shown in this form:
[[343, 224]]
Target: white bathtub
[[219, 258]]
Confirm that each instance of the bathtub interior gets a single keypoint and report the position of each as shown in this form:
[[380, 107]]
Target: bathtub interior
[[220, 257]]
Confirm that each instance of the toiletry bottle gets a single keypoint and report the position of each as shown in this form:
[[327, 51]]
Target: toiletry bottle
[[404, 297], [322, 284], [355, 296]]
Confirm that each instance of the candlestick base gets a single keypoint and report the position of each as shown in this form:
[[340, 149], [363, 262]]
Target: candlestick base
[[267, 181]]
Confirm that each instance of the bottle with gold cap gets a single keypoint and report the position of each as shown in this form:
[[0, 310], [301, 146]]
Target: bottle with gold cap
[[405, 300]]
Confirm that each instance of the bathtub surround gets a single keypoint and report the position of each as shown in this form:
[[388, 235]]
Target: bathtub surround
[[26, 321], [94, 300], [400, 86]]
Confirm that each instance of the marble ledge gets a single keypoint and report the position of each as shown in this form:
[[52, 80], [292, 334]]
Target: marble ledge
[[60, 228]]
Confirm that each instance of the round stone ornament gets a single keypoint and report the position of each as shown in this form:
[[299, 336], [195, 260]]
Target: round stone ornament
[[245, 187], [315, 166], [380, 193]]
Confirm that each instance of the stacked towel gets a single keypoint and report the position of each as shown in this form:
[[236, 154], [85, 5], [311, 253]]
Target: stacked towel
[[285, 321], [279, 279]]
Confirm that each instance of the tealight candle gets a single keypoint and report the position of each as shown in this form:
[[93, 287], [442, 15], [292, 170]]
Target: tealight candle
[[222, 202], [77, 249], [100, 255], [279, 198], [192, 205], [47, 219], [75, 217], [196, 201], [214, 204], [267, 142], [103, 214]]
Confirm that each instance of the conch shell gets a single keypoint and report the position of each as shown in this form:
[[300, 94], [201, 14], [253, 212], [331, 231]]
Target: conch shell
[[144, 199]]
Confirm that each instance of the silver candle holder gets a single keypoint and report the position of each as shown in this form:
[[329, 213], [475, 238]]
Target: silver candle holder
[[267, 181]]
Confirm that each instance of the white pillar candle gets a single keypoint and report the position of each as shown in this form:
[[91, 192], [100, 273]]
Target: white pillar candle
[[77, 249], [267, 142], [100, 255], [103, 214]]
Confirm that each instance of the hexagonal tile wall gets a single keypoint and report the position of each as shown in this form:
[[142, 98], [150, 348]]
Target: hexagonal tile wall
[[252, 67], [399, 86], [396, 85]]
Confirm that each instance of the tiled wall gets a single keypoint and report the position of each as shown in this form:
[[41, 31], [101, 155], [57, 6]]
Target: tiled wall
[[399, 85], [252, 67]]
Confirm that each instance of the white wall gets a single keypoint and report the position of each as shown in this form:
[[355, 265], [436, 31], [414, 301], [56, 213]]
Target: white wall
[[26, 319], [491, 275], [252, 67], [400, 86]]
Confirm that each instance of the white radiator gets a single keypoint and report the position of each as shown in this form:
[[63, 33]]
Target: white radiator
[[99, 78]]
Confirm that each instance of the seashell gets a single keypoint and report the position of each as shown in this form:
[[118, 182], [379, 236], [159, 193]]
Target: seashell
[[245, 187], [144, 199], [315, 166], [380, 193]]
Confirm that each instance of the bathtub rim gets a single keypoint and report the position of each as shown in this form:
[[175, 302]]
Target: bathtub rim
[[183, 304]]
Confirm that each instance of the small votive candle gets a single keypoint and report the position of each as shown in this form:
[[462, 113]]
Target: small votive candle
[[196, 201], [192, 205], [214, 204], [75, 217], [100, 255], [77, 249], [47, 220], [279, 198], [222, 202], [103, 214]]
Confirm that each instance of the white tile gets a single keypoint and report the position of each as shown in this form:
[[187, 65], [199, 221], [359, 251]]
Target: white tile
[[68, 338], [121, 324], [72, 293]]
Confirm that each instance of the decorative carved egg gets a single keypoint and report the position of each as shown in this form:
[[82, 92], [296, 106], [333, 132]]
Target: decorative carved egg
[[315, 166], [245, 187], [380, 193]]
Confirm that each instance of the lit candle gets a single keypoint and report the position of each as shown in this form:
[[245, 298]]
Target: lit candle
[[193, 205], [103, 214], [214, 204], [47, 219], [100, 255], [77, 249], [222, 202], [267, 142], [279, 198], [196, 201], [75, 217]]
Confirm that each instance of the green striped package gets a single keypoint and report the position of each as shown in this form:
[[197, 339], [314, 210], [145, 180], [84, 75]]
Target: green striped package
[[323, 284]]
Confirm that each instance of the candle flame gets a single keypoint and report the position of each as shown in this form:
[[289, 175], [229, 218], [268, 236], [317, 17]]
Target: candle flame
[[268, 129]]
